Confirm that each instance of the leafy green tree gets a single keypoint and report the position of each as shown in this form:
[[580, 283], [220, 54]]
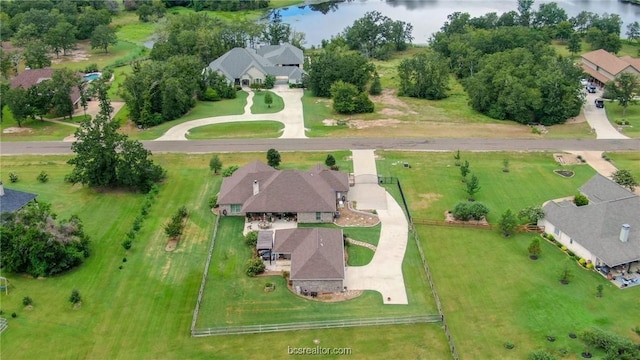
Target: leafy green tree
[[600, 39], [25, 34], [549, 15], [269, 81], [40, 98], [4, 90], [18, 102], [276, 32], [331, 66], [478, 211], [473, 186], [566, 274], [525, 12], [75, 297], [35, 55], [135, 169], [348, 100], [625, 178], [61, 37], [624, 90], [330, 160], [599, 290], [464, 170], [90, 19], [376, 86], [173, 229], [251, 239], [273, 158], [255, 266], [268, 99], [507, 223], [102, 37], [376, 35], [425, 76], [564, 30], [531, 214], [574, 44], [534, 248], [633, 31], [215, 164], [144, 12], [461, 211], [62, 83]]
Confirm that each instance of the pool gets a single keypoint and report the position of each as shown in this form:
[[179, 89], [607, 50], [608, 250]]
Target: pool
[[92, 76]]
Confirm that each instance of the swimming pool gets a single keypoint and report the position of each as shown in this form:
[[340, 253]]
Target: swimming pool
[[92, 76]]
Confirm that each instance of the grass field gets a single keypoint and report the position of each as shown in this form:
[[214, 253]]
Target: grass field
[[238, 130], [37, 130], [259, 107], [628, 160], [614, 113], [122, 51]]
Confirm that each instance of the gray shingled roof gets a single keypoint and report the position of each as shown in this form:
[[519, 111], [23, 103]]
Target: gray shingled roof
[[14, 200], [283, 190], [316, 253], [282, 54], [265, 240], [597, 226]]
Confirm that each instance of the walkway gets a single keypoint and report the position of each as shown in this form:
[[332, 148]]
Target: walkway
[[384, 272], [291, 116], [597, 119]]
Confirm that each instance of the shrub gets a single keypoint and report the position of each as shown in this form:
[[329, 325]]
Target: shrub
[[589, 266], [269, 81], [541, 355], [461, 211], [478, 211], [570, 253], [210, 95], [616, 347], [551, 237], [14, 315], [75, 297], [91, 68], [582, 261], [213, 201], [124, 260], [255, 266], [26, 301], [636, 330], [127, 244], [509, 345], [229, 170], [285, 274], [182, 211], [43, 177], [534, 248], [251, 239], [564, 248], [580, 200], [13, 177]]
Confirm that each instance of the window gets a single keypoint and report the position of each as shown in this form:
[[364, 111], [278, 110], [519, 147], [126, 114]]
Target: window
[[318, 216], [236, 208], [570, 241], [556, 231]]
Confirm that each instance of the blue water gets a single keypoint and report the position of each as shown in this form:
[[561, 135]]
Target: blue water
[[91, 77]]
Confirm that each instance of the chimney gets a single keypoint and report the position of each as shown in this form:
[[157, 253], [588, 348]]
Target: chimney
[[624, 232], [1, 189], [256, 187]]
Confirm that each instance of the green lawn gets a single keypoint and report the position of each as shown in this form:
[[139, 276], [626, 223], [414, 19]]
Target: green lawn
[[119, 75], [627, 160], [202, 109], [33, 130], [238, 130], [259, 107], [122, 51], [614, 113]]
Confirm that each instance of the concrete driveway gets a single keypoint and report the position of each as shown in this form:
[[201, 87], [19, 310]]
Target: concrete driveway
[[384, 273], [291, 117], [597, 119]]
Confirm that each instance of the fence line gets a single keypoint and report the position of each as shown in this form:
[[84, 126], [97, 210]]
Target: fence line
[[4, 324], [196, 310], [433, 222], [412, 228], [324, 324]]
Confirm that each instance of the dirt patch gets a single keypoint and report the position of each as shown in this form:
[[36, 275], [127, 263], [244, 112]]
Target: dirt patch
[[172, 244], [389, 98], [363, 124], [70, 138], [578, 119], [567, 159], [349, 217], [391, 112], [76, 55], [480, 223], [16, 130], [426, 200]]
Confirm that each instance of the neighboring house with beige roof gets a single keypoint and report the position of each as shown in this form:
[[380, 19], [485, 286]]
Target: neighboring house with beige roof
[[606, 231], [316, 256], [257, 189], [245, 66], [603, 66]]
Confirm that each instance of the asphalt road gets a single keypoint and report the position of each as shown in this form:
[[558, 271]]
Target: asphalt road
[[329, 144]]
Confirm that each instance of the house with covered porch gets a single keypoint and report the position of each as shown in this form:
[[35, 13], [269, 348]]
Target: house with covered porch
[[263, 193], [605, 232]]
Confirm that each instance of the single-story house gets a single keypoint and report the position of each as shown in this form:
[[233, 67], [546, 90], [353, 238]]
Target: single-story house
[[603, 66], [606, 231], [13, 200], [316, 256], [242, 66], [31, 77], [311, 196]]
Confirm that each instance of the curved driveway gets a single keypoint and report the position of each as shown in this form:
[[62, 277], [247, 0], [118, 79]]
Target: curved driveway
[[291, 116], [597, 119]]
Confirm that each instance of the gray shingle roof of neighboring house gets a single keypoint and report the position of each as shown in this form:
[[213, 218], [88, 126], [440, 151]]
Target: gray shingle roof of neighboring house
[[237, 61], [597, 226], [14, 200], [283, 190], [316, 253]]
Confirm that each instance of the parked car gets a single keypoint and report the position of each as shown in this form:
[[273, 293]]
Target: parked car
[[591, 88], [584, 82], [599, 103]]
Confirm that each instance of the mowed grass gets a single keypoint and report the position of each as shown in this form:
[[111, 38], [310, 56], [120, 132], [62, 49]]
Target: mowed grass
[[259, 106], [144, 310], [628, 161], [433, 184], [122, 50], [632, 115], [203, 109], [32, 130], [237, 130]]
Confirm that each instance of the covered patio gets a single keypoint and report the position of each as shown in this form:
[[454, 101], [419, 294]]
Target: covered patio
[[622, 276], [269, 221]]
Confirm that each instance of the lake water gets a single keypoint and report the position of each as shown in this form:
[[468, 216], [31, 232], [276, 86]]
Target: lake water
[[427, 16]]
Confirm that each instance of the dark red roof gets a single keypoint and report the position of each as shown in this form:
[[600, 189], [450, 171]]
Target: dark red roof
[[31, 77]]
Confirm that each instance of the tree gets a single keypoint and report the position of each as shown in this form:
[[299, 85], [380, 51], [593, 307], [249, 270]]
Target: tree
[[173, 229], [268, 99], [565, 272], [531, 214], [624, 89], [376, 86], [35, 55], [456, 157], [347, 99], [534, 248], [18, 102], [425, 76], [215, 164], [144, 12], [464, 170], [62, 83], [524, 10], [625, 178], [331, 66], [269, 81], [102, 37], [276, 32], [507, 223], [273, 158], [599, 39], [574, 44], [135, 169], [376, 35], [75, 297], [473, 186], [90, 19], [633, 31], [61, 37], [599, 289], [330, 161]]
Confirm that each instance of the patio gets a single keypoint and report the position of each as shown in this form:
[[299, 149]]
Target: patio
[[622, 276], [269, 222]]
